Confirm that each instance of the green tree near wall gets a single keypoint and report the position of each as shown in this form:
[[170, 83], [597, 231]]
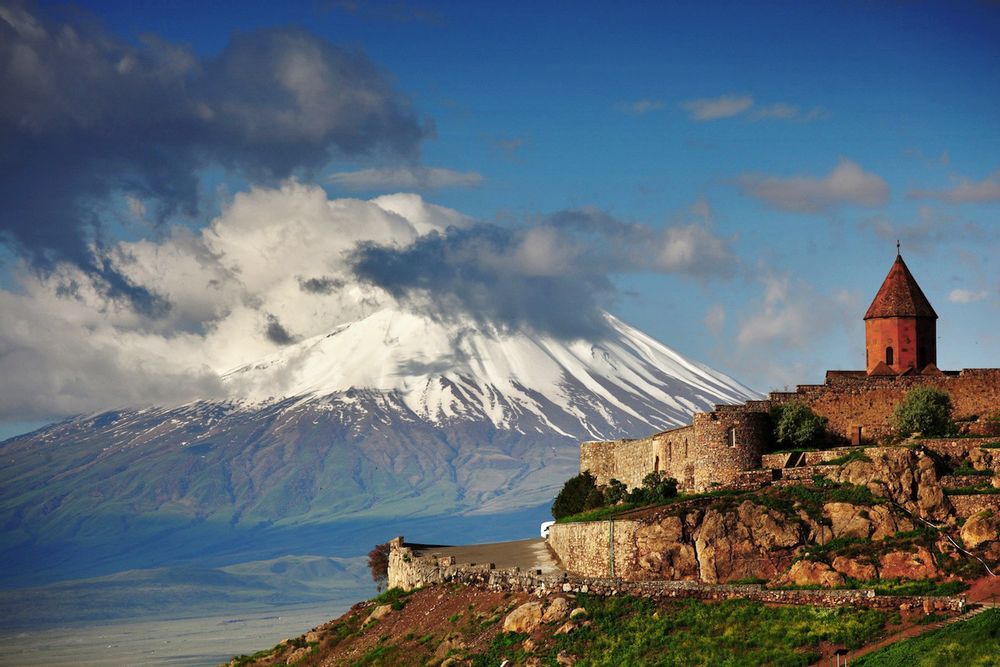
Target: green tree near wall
[[797, 426], [924, 410], [572, 499]]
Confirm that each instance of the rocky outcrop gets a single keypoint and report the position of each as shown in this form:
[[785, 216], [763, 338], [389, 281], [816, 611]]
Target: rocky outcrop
[[917, 564], [810, 573], [980, 529], [751, 543], [863, 521], [665, 550], [904, 475], [855, 568]]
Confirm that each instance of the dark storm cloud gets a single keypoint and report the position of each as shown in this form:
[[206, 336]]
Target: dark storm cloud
[[276, 332], [552, 276], [323, 285], [86, 115], [476, 271]]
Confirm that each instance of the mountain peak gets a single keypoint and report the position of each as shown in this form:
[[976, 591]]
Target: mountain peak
[[462, 370]]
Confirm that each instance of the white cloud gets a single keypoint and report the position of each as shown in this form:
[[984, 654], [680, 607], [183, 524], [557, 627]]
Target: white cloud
[[715, 108], [640, 107], [782, 111], [793, 314], [967, 296], [70, 348], [847, 183], [965, 191], [715, 319], [406, 178]]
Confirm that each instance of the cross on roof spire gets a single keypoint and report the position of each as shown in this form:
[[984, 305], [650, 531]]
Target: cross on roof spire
[[897, 247]]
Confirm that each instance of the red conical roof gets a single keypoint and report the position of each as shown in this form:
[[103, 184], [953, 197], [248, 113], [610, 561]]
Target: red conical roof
[[900, 296]]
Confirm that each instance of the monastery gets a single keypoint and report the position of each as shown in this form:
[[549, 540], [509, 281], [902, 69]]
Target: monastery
[[723, 448]]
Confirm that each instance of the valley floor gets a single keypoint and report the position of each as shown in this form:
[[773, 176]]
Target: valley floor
[[186, 642]]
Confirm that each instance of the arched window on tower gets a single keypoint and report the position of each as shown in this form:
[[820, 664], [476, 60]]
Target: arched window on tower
[[732, 437], [888, 356], [670, 451], [656, 464]]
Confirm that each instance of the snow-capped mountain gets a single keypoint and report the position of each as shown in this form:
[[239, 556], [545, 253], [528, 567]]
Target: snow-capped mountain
[[623, 383], [394, 415]]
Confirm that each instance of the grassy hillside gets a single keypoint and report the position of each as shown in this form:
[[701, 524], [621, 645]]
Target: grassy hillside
[[972, 643]]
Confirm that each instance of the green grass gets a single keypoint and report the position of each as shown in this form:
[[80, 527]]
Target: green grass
[[636, 631], [856, 455], [602, 513], [972, 643], [971, 491], [394, 596], [991, 445]]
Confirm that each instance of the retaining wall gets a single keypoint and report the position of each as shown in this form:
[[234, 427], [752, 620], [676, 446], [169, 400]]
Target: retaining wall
[[429, 571]]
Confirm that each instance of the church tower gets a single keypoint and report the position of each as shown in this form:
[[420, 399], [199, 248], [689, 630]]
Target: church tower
[[900, 326]]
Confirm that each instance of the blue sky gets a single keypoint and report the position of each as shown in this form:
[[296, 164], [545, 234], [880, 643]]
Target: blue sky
[[806, 137]]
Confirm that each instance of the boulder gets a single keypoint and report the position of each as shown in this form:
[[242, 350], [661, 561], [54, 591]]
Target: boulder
[[918, 564], [886, 523], [296, 655], [981, 528], [450, 643], [566, 628], [849, 520], [379, 612], [311, 637], [525, 618], [811, 573], [556, 610], [860, 570], [564, 658], [578, 613]]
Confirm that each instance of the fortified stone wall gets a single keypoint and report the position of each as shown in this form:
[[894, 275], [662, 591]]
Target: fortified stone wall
[[851, 400], [403, 567], [591, 547], [729, 440], [628, 461]]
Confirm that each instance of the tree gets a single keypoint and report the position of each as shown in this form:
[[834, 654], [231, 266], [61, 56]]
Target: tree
[[615, 492], [572, 499], [378, 563], [924, 410], [659, 487], [796, 425]]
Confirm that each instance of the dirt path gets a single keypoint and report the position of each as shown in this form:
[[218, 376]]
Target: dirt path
[[982, 593]]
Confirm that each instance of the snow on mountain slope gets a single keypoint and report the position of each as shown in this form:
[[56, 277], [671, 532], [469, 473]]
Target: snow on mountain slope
[[448, 371]]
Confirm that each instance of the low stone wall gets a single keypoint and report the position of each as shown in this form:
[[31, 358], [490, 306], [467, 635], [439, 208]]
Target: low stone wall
[[426, 570], [957, 448], [597, 548], [966, 506]]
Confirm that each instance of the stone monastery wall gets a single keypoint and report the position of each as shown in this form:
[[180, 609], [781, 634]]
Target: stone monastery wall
[[850, 400], [720, 445]]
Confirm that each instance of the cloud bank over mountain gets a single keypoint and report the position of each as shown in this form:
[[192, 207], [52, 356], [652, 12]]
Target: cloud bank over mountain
[[284, 264], [88, 116]]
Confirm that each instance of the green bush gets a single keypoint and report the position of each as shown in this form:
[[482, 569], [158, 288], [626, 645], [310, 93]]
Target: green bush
[[615, 492], [796, 425], [572, 499], [924, 410]]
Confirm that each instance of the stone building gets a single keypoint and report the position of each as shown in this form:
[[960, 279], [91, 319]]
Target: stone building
[[722, 447]]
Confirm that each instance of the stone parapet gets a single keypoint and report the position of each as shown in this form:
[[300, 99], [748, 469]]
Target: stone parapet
[[426, 571]]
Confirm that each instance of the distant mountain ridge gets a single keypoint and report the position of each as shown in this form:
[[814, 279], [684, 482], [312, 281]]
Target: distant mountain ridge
[[394, 415]]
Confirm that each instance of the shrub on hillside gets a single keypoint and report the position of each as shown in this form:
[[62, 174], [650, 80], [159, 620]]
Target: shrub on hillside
[[615, 492], [378, 564], [797, 426], [924, 410], [572, 499], [656, 488]]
